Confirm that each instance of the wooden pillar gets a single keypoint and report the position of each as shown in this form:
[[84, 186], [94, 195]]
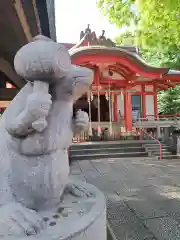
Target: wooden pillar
[[155, 102], [97, 76], [127, 112], [143, 101], [125, 107], [115, 108]]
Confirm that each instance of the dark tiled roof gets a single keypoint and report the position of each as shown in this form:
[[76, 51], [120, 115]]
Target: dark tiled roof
[[131, 49]]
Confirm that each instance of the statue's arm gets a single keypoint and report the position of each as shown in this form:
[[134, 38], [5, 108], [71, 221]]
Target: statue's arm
[[20, 126], [37, 106], [80, 122]]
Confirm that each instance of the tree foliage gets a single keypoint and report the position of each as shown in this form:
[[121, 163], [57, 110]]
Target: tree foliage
[[169, 101], [118, 11], [154, 27], [156, 22], [126, 39], [159, 24]]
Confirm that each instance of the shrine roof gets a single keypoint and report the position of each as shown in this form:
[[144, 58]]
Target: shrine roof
[[120, 65], [118, 55], [131, 49]]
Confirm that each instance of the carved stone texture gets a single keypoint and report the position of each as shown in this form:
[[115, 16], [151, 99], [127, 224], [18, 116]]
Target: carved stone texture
[[34, 164]]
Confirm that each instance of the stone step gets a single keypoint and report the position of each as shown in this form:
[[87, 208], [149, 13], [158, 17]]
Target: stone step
[[107, 155], [154, 145], [157, 149], [108, 144], [105, 150], [171, 157], [164, 154]]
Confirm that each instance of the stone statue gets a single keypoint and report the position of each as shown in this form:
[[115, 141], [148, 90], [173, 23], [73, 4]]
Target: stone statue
[[81, 34], [102, 37], [36, 131], [88, 30]]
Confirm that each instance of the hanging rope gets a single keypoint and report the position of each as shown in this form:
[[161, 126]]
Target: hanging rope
[[122, 97], [90, 122], [99, 113], [110, 109]]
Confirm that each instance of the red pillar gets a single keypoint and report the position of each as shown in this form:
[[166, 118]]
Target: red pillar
[[155, 103], [127, 112], [143, 100], [97, 76], [125, 107], [115, 110]]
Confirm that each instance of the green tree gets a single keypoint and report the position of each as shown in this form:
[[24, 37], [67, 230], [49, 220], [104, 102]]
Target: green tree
[[154, 24], [126, 38], [118, 11], [169, 101], [154, 27], [169, 59], [159, 24]]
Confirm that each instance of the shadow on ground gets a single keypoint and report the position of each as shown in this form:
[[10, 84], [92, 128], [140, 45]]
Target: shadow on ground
[[143, 196]]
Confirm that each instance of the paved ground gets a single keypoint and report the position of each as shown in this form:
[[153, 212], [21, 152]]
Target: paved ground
[[143, 196]]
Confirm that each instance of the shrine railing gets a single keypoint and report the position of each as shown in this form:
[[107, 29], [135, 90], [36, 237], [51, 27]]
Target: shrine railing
[[145, 135], [118, 133], [159, 118]]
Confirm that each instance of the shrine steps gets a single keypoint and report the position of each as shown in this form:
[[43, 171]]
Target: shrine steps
[[153, 150], [113, 149]]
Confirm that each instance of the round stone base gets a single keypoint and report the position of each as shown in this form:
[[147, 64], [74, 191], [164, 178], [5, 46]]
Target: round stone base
[[76, 218]]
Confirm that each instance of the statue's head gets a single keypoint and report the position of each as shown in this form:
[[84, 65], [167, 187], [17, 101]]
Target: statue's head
[[42, 59], [48, 61], [75, 84]]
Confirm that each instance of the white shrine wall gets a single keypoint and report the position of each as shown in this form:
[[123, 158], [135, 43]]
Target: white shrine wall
[[149, 100], [120, 105], [149, 103]]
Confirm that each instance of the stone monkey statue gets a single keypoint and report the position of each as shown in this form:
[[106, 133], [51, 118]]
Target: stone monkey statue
[[34, 165]]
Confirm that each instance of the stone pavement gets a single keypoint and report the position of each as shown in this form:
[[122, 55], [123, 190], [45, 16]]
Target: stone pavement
[[143, 195]]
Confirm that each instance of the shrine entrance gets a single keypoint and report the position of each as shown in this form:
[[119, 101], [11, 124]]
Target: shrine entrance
[[123, 96], [136, 107], [92, 108]]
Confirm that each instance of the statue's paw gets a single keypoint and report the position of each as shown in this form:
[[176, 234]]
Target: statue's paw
[[17, 220], [39, 105], [78, 190], [82, 120]]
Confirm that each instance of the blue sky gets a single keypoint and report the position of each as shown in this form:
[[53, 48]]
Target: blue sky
[[72, 16]]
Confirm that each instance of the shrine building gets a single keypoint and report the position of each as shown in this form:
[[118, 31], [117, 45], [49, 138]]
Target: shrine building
[[125, 88]]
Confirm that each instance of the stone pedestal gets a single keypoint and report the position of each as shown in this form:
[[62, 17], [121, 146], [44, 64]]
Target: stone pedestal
[[76, 218], [178, 145], [158, 132], [166, 134]]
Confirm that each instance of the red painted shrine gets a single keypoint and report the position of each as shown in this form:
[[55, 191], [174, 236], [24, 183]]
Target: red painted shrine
[[125, 88]]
